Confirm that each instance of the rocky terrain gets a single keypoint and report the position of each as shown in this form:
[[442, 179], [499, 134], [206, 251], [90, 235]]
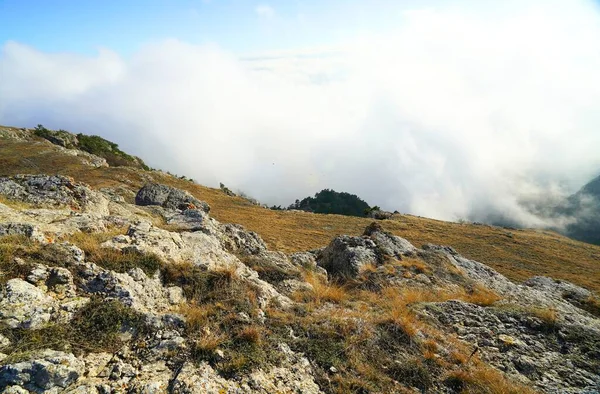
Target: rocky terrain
[[140, 290]]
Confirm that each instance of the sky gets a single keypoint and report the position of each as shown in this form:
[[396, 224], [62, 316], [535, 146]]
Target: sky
[[477, 110]]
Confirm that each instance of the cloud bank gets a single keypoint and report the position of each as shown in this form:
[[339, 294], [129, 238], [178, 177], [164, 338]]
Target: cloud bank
[[458, 113]]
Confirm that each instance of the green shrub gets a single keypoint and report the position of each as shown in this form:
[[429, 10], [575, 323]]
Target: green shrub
[[109, 150]]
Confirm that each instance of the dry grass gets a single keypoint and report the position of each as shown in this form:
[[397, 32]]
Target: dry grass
[[322, 292], [547, 315], [482, 379], [15, 204], [518, 254], [414, 264], [113, 259]]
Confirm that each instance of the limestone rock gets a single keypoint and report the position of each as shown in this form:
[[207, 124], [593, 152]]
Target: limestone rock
[[237, 240], [24, 305], [134, 289], [54, 190], [345, 255], [25, 229], [168, 197], [49, 369]]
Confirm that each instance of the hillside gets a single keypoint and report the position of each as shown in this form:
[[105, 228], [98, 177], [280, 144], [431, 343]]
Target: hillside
[[518, 254], [585, 207], [125, 279]]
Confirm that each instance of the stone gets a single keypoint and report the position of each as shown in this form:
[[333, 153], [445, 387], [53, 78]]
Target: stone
[[345, 256], [168, 197], [56, 190], [49, 369], [237, 240], [24, 229], [24, 305]]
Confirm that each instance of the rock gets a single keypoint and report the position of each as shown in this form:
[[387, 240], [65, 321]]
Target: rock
[[387, 243], [168, 197], [379, 214], [54, 190], [24, 305], [237, 240], [291, 286], [304, 259], [46, 370], [507, 340], [134, 289], [559, 289], [191, 220], [24, 229], [4, 342], [55, 279], [62, 138], [345, 256]]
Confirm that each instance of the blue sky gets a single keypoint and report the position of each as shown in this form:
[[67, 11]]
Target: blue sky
[[239, 25]]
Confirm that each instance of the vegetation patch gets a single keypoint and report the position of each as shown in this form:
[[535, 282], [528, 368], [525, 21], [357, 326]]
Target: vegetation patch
[[332, 202], [97, 327]]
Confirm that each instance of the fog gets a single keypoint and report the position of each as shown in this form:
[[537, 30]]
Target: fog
[[486, 115]]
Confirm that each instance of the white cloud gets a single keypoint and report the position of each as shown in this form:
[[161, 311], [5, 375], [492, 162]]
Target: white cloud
[[455, 114], [265, 11]]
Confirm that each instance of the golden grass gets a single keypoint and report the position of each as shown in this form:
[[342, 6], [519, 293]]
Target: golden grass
[[482, 379], [518, 254], [322, 292], [15, 204], [547, 315]]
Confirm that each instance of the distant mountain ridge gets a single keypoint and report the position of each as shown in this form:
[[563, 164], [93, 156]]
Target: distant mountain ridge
[[584, 206]]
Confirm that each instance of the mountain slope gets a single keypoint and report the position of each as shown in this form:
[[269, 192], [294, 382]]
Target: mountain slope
[[518, 254], [584, 206], [128, 283]]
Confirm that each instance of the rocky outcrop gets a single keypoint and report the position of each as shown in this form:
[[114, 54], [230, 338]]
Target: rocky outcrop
[[556, 356], [134, 289], [47, 295], [57, 190], [539, 332], [239, 241], [25, 229], [48, 370], [346, 256], [378, 214], [168, 197]]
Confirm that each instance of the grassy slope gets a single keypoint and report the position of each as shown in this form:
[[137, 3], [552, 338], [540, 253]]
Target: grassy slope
[[518, 254]]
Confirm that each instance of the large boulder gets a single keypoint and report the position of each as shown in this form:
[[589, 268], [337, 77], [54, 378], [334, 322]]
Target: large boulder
[[168, 197], [239, 241], [346, 256]]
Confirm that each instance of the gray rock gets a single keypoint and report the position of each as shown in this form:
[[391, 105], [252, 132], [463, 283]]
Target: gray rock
[[54, 190], [380, 215], [387, 243], [134, 289], [48, 369], [24, 229], [237, 240], [345, 256], [559, 288], [304, 259], [24, 305], [168, 197]]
